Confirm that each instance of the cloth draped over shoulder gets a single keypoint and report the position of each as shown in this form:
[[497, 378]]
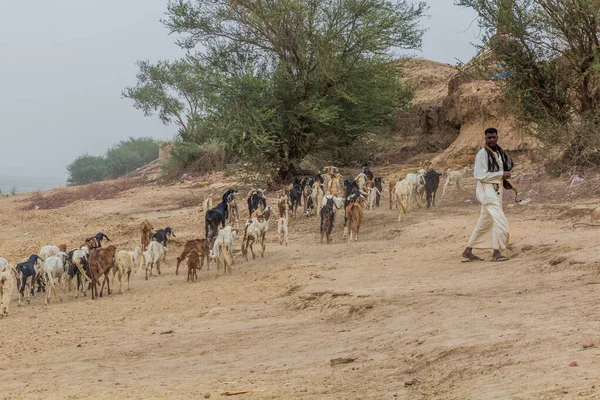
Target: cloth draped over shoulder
[[507, 162]]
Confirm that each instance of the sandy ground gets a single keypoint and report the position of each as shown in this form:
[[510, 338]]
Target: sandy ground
[[419, 323]]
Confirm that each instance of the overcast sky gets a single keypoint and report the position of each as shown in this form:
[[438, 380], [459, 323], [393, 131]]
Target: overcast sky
[[64, 64]]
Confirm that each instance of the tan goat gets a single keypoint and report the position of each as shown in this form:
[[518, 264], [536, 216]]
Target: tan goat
[[145, 234]]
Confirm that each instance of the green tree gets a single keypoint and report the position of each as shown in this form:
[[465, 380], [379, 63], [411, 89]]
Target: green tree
[[282, 79], [130, 154], [173, 90], [87, 169], [551, 50]]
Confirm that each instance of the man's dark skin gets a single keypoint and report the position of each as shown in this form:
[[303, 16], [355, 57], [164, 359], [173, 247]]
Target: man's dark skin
[[491, 139]]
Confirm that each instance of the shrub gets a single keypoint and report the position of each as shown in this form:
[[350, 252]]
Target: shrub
[[86, 169], [122, 158]]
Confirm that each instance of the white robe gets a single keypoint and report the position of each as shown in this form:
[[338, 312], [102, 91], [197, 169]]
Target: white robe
[[491, 231]]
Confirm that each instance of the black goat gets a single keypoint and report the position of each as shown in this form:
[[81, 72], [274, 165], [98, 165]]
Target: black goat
[[368, 172], [26, 270], [162, 235], [432, 181], [327, 220], [294, 199], [379, 186], [213, 218], [256, 199]]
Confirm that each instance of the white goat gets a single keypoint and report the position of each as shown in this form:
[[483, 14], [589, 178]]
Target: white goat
[[54, 267], [372, 197], [3, 264], [282, 230], [403, 194], [48, 251], [226, 236], [8, 282], [361, 179], [153, 257], [224, 253], [454, 178], [124, 263], [207, 204], [412, 180]]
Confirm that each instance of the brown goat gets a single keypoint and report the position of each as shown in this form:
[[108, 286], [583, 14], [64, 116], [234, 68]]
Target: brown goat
[[354, 212], [194, 262], [283, 205], [145, 234], [200, 245], [63, 248], [101, 262]]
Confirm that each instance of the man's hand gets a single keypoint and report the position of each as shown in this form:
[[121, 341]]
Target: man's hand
[[506, 175]]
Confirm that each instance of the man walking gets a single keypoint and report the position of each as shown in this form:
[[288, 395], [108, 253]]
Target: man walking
[[492, 167]]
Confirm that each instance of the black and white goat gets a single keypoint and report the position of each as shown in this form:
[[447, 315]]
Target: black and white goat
[[162, 235], [217, 216], [26, 270]]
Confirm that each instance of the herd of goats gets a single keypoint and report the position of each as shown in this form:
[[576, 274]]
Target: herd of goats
[[322, 195]]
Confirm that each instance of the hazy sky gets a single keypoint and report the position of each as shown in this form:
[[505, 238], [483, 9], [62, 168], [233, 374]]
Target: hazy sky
[[64, 64]]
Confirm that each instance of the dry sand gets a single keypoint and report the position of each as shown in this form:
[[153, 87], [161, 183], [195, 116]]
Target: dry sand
[[419, 323]]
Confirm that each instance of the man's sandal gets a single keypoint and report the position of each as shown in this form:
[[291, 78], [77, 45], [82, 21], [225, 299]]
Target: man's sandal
[[473, 258]]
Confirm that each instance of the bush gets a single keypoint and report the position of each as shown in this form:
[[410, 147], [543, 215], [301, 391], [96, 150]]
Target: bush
[[86, 169], [122, 158], [131, 154]]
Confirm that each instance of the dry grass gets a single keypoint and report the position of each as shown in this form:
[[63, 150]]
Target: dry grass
[[96, 191]]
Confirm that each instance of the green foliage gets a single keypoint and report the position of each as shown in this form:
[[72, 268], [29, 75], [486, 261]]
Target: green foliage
[[174, 90], [120, 159], [277, 81], [86, 169], [292, 76], [552, 52], [130, 154]]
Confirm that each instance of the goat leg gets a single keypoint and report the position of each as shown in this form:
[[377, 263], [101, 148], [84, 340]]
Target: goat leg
[[251, 242], [102, 287]]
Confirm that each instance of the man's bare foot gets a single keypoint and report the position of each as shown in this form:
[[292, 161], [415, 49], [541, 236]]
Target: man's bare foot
[[468, 254]]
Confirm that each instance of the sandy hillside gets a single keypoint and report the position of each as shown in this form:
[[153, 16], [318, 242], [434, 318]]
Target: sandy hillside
[[418, 323]]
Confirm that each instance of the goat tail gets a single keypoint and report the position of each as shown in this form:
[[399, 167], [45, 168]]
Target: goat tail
[[82, 271]]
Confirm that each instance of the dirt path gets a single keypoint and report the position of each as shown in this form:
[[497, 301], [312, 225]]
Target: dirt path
[[419, 323]]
